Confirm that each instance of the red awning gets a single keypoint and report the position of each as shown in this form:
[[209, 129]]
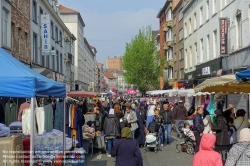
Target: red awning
[[82, 94]]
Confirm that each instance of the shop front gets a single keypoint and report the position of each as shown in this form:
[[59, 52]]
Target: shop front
[[207, 70], [189, 80]]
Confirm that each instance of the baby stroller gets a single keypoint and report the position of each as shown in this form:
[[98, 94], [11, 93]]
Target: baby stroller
[[187, 146], [153, 138]]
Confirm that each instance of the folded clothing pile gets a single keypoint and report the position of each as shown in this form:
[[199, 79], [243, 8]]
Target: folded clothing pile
[[16, 128], [88, 132], [4, 130]]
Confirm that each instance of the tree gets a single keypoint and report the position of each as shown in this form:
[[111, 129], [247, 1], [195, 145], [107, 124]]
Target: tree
[[141, 61]]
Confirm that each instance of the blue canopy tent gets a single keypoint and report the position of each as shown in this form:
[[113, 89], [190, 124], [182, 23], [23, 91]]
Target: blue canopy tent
[[18, 80], [243, 75]]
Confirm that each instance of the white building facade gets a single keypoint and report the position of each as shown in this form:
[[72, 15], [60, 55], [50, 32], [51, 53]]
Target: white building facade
[[90, 67], [54, 64], [73, 20], [202, 44], [5, 25]]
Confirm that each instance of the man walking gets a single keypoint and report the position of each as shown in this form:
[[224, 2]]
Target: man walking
[[180, 114], [168, 121], [198, 127]]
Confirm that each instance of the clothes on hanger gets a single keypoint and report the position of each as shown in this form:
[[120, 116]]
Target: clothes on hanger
[[48, 113], [11, 113], [22, 107], [58, 122]]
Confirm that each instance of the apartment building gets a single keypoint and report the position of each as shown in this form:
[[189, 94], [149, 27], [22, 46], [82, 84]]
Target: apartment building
[[99, 78], [203, 54], [114, 63]]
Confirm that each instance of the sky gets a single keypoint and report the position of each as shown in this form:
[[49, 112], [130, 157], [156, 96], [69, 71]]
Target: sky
[[110, 24]]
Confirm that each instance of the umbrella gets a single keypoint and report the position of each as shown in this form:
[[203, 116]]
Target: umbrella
[[82, 94]]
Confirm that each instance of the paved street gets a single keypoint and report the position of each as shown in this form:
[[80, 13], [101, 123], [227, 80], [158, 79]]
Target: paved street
[[167, 157]]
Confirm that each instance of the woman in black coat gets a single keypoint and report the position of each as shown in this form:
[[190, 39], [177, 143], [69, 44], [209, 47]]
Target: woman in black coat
[[222, 138]]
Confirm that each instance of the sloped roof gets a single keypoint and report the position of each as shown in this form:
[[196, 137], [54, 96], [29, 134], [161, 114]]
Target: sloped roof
[[108, 75], [64, 9]]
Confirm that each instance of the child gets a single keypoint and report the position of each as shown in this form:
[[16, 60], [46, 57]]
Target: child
[[188, 132]]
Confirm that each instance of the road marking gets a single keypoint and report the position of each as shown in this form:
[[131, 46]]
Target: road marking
[[99, 156]]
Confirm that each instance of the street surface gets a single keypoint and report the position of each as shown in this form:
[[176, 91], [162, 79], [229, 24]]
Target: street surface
[[167, 157]]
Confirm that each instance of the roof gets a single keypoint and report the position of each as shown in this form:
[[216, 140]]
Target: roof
[[187, 6], [64, 9], [113, 71], [155, 33], [108, 75], [163, 8]]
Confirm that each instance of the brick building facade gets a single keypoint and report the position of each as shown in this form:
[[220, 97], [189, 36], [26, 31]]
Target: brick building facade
[[114, 63], [20, 30], [178, 43]]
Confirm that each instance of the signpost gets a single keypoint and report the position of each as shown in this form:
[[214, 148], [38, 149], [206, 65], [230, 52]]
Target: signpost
[[223, 36]]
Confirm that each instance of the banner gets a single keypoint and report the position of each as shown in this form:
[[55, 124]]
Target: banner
[[46, 43], [223, 36]]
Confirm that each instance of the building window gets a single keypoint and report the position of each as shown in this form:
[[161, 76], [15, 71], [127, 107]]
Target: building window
[[181, 54], [174, 20], [186, 59], [190, 26], [35, 57], [52, 29], [195, 24], [56, 33], [201, 50], [47, 61], [169, 14], [170, 54], [19, 40], [174, 41], [60, 37], [180, 15], [57, 61], [181, 34], [207, 11], [4, 27], [215, 42], [214, 6], [41, 13], [191, 55], [12, 35], [170, 72], [239, 30], [182, 73], [201, 16], [196, 56], [34, 12], [185, 30], [61, 63], [169, 35], [208, 48]]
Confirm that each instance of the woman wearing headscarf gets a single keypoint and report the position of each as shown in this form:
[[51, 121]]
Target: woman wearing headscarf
[[207, 122], [222, 138], [139, 132], [127, 150], [239, 154]]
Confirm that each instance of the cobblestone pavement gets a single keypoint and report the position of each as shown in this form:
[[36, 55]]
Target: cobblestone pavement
[[167, 157]]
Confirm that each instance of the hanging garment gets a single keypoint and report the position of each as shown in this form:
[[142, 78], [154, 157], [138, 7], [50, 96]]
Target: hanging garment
[[2, 116], [211, 106], [40, 118], [68, 129], [26, 121], [48, 112], [59, 116], [22, 107], [10, 113], [79, 127]]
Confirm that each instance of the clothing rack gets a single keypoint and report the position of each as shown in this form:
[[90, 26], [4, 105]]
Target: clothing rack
[[72, 99]]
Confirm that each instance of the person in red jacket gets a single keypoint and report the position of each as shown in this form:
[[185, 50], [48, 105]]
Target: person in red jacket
[[206, 155]]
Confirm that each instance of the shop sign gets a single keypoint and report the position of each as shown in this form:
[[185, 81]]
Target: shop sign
[[48, 52], [223, 36], [206, 71], [190, 77], [45, 21]]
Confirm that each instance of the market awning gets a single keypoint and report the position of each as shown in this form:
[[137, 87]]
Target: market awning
[[42, 71], [223, 84], [82, 94], [243, 75]]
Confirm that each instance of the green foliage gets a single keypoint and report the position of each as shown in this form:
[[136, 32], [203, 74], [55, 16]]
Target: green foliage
[[142, 61]]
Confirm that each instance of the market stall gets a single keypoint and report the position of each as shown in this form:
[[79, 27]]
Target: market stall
[[22, 82], [82, 94]]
